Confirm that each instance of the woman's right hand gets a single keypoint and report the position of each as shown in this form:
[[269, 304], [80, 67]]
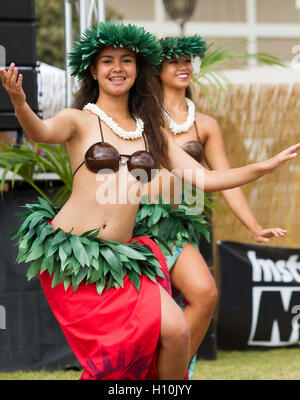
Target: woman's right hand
[[12, 83]]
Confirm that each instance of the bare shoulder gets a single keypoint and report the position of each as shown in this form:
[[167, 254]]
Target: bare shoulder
[[71, 114], [66, 115], [208, 126], [64, 126], [206, 122], [74, 117]]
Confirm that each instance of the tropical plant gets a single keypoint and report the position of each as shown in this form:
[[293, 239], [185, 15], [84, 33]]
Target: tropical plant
[[220, 56], [31, 158]]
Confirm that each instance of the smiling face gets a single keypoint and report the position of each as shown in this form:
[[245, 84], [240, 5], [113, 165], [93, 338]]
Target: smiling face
[[176, 72], [115, 70]]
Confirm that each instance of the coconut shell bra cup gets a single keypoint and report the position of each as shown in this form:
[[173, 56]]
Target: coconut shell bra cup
[[194, 147], [103, 156]]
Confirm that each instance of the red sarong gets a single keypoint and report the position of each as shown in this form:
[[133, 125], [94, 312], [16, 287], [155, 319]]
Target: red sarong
[[115, 335]]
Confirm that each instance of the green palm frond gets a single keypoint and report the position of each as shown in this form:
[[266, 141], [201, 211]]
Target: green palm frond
[[220, 56], [25, 161]]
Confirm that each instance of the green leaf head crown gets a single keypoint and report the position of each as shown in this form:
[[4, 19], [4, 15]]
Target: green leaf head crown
[[186, 46], [135, 38]]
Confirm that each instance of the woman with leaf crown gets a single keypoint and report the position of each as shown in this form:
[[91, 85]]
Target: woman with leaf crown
[[110, 292], [199, 135]]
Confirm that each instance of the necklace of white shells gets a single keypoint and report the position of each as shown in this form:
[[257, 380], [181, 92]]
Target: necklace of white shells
[[114, 126], [185, 126]]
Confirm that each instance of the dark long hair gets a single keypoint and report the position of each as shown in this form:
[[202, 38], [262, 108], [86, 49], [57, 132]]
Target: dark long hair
[[188, 93], [145, 102]]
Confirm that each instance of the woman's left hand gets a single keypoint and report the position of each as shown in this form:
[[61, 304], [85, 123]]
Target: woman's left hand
[[263, 235]]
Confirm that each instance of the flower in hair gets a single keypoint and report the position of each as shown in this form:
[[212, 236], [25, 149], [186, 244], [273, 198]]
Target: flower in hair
[[196, 63]]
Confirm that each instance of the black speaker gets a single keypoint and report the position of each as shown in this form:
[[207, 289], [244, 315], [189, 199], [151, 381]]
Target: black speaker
[[30, 89], [17, 10], [9, 122], [19, 41], [18, 37]]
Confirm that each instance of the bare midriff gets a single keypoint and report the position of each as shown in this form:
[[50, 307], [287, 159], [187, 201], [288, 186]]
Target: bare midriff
[[85, 209]]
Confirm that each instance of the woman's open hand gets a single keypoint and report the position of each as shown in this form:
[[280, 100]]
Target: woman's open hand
[[261, 235], [12, 83], [276, 162]]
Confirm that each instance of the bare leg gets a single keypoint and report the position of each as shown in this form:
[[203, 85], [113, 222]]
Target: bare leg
[[174, 352], [191, 276]]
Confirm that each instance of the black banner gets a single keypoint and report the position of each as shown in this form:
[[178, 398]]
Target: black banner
[[259, 296]]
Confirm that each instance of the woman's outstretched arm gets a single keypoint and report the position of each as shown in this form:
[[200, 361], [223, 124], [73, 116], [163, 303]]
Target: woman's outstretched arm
[[215, 155], [53, 130], [184, 166]]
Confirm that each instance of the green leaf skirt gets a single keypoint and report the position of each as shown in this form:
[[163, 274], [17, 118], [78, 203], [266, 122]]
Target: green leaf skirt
[[175, 226], [73, 259]]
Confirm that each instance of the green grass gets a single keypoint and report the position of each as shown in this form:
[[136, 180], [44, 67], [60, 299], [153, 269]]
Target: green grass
[[275, 364], [272, 364]]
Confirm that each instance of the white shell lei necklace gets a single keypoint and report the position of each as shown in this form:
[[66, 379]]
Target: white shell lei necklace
[[114, 126], [186, 126]]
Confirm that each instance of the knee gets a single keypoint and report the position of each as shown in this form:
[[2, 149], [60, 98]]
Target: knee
[[178, 334], [182, 332], [204, 294], [211, 293]]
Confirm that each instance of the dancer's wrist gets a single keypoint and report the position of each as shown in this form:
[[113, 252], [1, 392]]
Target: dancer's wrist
[[261, 168], [20, 107], [255, 229]]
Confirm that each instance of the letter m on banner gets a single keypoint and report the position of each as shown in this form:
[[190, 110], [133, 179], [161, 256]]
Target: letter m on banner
[[272, 316]]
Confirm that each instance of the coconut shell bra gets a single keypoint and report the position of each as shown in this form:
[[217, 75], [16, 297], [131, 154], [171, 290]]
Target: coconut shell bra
[[104, 156], [194, 147]]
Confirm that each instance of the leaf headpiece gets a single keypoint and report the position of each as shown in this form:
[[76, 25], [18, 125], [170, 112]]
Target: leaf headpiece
[[104, 34], [186, 46]]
